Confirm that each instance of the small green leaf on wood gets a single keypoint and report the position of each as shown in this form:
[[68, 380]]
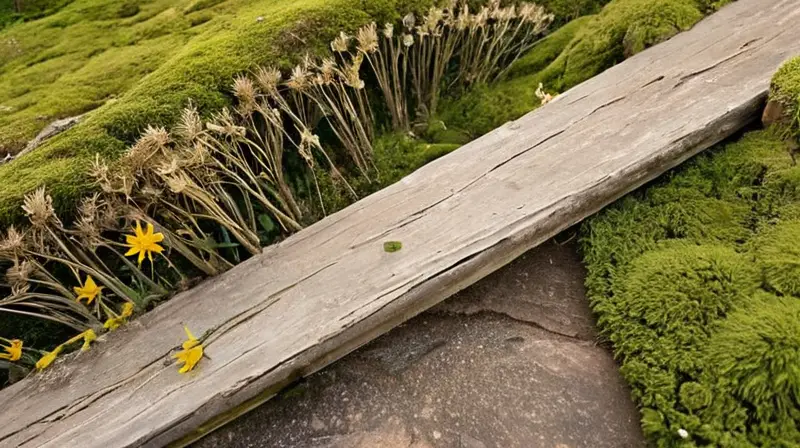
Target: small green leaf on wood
[[392, 246]]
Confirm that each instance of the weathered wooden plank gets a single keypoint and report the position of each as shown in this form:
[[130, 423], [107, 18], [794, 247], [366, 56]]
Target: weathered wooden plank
[[330, 288]]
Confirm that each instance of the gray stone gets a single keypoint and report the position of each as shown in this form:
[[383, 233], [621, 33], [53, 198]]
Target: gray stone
[[509, 362]]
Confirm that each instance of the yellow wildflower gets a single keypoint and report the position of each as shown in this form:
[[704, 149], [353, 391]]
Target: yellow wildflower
[[14, 351], [89, 290], [89, 336], [48, 359], [127, 309], [191, 341], [114, 322], [144, 243], [191, 354], [189, 358]]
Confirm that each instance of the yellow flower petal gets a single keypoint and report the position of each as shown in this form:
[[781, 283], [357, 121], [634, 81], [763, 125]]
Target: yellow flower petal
[[48, 359], [191, 340], [89, 290], [127, 309], [13, 352], [89, 336], [144, 243], [189, 358], [113, 323]]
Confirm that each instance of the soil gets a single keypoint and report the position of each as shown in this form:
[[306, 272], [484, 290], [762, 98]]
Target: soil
[[512, 361]]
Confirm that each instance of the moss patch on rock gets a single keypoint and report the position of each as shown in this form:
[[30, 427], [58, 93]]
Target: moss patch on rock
[[785, 86]]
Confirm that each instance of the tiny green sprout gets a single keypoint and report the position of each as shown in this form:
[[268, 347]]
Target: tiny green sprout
[[392, 246]]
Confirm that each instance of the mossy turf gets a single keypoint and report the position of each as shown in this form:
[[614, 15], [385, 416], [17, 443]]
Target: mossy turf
[[142, 69], [694, 281]]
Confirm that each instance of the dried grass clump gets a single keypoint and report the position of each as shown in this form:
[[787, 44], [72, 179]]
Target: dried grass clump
[[447, 48]]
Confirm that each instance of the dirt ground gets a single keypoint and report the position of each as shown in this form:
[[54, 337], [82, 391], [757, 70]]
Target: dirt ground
[[510, 362]]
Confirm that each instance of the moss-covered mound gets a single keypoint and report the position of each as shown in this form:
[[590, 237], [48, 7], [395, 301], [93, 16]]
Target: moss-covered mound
[[786, 86], [695, 281]]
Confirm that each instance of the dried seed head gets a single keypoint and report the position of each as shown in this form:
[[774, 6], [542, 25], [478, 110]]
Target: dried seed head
[[408, 40], [351, 73], [100, 171], [479, 20], [12, 244], [223, 123], [535, 14], [155, 137], [299, 79], [388, 31], [19, 274], [268, 79], [432, 19], [327, 71], [543, 96], [168, 167], [367, 38], [144, 152], [177, 182], [38, 207], [190, 126], [341, 43], [505, 14], [308, 141], [464, 18], [89, 207], [409, 21], [87, 223], [245, 92]]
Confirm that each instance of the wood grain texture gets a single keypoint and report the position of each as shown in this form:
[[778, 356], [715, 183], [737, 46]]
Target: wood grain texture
[[331, 288]]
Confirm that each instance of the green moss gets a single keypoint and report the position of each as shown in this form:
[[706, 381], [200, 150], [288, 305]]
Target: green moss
[[785, 88], [778, 255], [623, 28], [669, 301], [754, 359], [786, 83], [694, 396], [676, 275], [567, 10]]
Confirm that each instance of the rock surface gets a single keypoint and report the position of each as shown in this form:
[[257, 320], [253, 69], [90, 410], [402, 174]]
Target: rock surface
[[510, 362], [52, 129]]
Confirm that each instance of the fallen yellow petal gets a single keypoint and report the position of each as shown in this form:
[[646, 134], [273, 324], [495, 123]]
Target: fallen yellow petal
[[89, 336], [191, 340], [13, 351], [127, 309], [48, 359], [189, 358], [113, 323]]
